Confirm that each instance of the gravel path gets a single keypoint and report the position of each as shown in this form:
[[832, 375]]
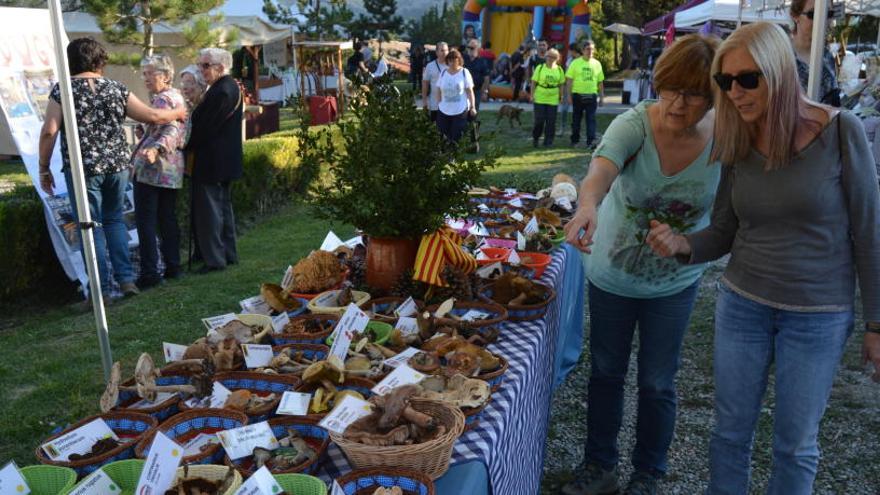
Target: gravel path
[[849, 436]]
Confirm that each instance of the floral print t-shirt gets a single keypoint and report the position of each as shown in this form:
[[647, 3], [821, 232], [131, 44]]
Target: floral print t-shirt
[[100, 113], [621, 262], [167, 170]]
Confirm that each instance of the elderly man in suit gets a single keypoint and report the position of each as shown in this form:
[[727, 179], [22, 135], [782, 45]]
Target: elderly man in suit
[[215, 143]]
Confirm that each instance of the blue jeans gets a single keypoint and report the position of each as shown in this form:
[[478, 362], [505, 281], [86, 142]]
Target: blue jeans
[[806, 348], [662, 322], [106, 194]]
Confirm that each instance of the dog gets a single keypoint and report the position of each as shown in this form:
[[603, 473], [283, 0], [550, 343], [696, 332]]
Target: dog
[[511, 113]]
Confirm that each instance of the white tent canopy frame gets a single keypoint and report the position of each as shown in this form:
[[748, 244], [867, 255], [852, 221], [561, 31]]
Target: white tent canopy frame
[[725, 10]]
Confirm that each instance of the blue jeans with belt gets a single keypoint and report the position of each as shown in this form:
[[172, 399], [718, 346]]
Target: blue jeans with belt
[[662, 322], [806, 349], [106, 197]]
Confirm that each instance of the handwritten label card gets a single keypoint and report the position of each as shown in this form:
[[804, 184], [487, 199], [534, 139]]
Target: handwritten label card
[[510, 191], [257, 355], [173, 352], [331, 242], [345, 413], [161, 465], [402, 358], [402, 375], [479, 230], [279, 322], [517, 216], [514, 258], [490, 271], [483, 207], [474, 314], [218, 321], [78, 441], [407, 326], [564, 203], [241, 442], [520, 241], [199, 443], [287, 280], [255, 305], [337, 490], [260, 483], [97, 483], [406, 308], [219, 395], [353, 321], [11, 480], [532, 227], [355, 241], [515, 202], [294, 404]]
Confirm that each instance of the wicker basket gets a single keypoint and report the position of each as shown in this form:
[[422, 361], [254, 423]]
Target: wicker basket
[[523, 312], [125, 474], [356, 383], [307, 429], [366, 481], [316, 307], [301, 484], [495, 378], [210, 472], [488, 328], [134, 426], [431, 458], [260, 383], [187, 425], [48, 480], [383, 303], [307, 338], [252, 320], [162, 410], [473, 415]]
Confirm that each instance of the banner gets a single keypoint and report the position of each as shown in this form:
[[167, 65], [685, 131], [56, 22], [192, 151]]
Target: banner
[[27, 74]]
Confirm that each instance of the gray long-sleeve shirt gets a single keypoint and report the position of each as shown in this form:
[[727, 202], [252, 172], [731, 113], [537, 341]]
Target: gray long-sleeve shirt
[[799, 235]]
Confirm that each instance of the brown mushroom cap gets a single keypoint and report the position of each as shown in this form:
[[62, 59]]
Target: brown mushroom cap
[[145, 374], [111, 394]]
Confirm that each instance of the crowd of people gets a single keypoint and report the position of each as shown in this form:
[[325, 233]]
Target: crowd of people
[[192, 132]]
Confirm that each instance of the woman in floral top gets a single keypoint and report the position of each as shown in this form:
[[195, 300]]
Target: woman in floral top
[[158, 168], [101, 108]]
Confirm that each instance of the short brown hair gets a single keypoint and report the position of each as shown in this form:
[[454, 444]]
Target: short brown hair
[[454, 55], [686, 65]]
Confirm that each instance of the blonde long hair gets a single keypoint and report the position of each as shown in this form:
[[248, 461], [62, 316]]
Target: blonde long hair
[[771, 50]]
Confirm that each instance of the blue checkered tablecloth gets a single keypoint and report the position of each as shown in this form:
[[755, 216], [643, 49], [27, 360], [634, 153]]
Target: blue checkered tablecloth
[[512, 431]]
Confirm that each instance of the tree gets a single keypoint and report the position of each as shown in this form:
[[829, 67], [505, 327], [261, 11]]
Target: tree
[[134, 21], [66, 5], [314, 20], [382, 21], [441, 23]]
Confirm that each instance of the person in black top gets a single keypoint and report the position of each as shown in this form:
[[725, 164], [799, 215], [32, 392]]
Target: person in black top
[[215, 146], [355, 66], [416, 66], [480, 69], [517, 71], [537, 58]]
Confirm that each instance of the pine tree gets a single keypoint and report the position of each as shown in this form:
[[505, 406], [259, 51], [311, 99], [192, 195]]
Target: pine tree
[[315, 20]]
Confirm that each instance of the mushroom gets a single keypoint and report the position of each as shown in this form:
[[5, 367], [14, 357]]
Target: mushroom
[[261, 456], [425, 362], [111, 394], [145, 375], [327, 373], [395, 404]]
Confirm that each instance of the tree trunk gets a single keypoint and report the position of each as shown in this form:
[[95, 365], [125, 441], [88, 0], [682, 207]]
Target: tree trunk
[[148, 28]]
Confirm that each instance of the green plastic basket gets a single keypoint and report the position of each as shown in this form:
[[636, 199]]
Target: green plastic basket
[[125, 474], [49, 480], [301, 484], [380, 329]]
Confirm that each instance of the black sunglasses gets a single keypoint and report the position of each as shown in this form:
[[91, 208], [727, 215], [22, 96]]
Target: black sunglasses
[[747, 80], [811, 13]]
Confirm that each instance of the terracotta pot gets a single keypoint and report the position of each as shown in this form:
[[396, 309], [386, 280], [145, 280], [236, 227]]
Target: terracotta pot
[[387, 258]]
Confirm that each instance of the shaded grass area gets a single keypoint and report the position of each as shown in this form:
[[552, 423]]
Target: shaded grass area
[[13, 174]]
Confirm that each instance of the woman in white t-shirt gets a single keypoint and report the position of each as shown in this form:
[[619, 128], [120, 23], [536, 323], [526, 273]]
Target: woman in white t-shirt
[[455, 97]]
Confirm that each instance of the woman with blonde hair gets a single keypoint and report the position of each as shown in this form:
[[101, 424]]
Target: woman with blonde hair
[[798, 210], [653, 162]]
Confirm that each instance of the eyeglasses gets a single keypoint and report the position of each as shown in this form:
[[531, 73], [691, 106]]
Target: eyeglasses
[[746, 80], [690, 98], [206, 65], [810, 13]]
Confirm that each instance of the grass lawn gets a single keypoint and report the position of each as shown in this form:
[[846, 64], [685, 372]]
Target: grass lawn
[[51, 371], [13, 174]]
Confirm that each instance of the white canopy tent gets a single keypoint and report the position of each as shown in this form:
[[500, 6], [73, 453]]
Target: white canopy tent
[[726, 10]]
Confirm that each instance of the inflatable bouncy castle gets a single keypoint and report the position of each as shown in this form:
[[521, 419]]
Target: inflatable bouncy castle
[[506, 24]]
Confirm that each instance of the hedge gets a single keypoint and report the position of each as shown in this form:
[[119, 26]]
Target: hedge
[[271, 178]]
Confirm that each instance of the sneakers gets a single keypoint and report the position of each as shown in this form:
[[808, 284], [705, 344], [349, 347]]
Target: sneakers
[[593, 480], [129, 289], [641, 483]]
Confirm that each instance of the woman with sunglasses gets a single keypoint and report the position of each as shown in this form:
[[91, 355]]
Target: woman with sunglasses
[[802, 38], [653, 162], [798, 209]]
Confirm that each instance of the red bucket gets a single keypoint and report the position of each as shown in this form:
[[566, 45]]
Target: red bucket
[[322, 109]]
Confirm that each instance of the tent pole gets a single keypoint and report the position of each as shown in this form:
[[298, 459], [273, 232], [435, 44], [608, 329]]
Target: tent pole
[[817, 49], [739, 14], [86, 225]]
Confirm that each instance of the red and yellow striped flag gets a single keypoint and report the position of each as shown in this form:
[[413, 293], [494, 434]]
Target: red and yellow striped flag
[[435, 251]]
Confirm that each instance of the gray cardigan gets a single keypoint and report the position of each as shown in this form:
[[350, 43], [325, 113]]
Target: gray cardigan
[[799, 235]]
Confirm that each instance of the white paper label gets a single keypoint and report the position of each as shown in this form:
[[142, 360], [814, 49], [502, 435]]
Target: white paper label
[[257, 355], [532, 227], [255, 305], [78, 441], [474, 314], [327, 299], [161, 466], [241, 442], [517, 216], [287, 280], [279, 322], [173, 352], [402, 375], [161, 397], [406, 308], [515, 202], [353, 321], [294, 404], [355, 241], [514, 259], [479, 230], [199, 443], [407, 326], [337, 490], [218, 321], [402, 358], [455, 224], [11, 480], [490, 271], [520, 241], [564, 203], [260, 483], [331, 242], [219, 395], [345, 413], [527, 196], [483, 207], [510, 191], [97, 483]]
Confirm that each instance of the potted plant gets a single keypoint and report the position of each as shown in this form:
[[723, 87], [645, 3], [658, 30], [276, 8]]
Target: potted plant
[[392, 175]]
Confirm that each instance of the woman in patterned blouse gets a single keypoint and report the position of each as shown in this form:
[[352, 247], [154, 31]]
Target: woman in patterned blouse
[[158, 168], [101, 108]]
